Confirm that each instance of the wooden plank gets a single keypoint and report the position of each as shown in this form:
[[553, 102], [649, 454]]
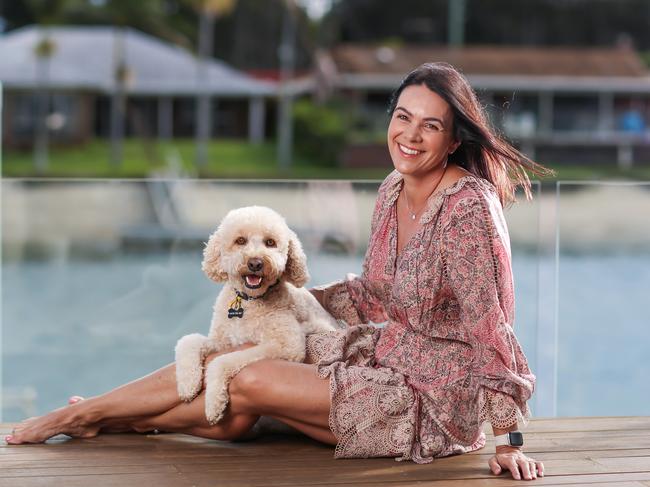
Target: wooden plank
[[596, 484], [602, 484], [630, 464], [301, 448], [118, 480], [40, 471], [201, 479], [108, 444], [146, 457], [540, 481], [350, 472]]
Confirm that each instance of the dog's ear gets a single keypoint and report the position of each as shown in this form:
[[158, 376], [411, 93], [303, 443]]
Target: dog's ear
[[212, 258], [296, 269]]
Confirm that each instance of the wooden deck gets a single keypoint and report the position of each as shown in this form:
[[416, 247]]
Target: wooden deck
[[576, 451]]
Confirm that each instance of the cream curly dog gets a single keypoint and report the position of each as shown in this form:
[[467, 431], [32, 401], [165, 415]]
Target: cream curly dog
[[262, 301]]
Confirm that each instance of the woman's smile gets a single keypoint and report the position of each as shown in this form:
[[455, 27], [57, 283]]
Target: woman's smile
[[409, 151]]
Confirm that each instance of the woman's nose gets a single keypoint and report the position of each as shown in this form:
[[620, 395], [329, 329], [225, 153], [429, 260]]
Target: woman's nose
[[413, 133]]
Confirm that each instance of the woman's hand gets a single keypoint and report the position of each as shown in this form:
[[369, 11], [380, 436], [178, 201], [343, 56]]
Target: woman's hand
[[513, 459]]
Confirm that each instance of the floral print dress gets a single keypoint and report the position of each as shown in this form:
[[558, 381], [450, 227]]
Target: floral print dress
[[447, 359]]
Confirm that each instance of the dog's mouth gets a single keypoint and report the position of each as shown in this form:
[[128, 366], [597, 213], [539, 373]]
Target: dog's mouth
[[253, 281]]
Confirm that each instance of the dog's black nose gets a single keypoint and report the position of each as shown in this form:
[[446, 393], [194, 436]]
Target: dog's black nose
[[255, 264]]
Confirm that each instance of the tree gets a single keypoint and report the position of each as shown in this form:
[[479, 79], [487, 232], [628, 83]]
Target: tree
[[47, 13], [208, 11], [512, 22]]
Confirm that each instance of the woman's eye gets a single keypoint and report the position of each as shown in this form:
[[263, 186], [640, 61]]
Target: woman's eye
[[433, 127], [401, 116], [240, 241], [270, 242]]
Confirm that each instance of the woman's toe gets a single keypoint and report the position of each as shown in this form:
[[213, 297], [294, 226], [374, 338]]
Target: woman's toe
[[75, 399], [15, 437]]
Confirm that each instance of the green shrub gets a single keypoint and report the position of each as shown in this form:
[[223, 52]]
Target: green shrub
[[320, 131]]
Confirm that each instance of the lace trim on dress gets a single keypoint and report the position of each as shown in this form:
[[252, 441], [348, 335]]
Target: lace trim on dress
[[500, 410]]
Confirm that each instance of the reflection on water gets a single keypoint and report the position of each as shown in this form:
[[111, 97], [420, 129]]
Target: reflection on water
[[82, 327]]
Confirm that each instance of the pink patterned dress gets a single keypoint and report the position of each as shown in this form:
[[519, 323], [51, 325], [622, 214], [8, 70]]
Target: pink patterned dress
[[447, 359]]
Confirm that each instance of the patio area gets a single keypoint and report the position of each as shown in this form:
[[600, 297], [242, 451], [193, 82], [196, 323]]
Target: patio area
[[576, 451]]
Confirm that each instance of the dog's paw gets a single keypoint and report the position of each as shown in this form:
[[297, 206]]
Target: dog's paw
[[188, 389], [189, 366], [215, 408], [189, 379]]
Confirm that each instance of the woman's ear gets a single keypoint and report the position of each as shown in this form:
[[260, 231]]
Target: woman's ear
[[295, 271], [212, 258]]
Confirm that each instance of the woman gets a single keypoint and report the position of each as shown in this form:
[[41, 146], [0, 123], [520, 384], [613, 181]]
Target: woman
[[437, 270]]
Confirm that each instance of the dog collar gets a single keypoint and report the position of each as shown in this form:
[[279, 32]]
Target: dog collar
[[246, 297], [235, 308]]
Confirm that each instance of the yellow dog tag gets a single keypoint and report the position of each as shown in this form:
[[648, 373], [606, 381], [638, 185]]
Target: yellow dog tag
[[235, 310]]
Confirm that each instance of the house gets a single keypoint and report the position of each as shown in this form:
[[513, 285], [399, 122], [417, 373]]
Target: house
[[81, 68], [558, 105]]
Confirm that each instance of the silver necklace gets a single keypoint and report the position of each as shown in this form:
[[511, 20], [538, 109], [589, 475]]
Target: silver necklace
[[414, 214]]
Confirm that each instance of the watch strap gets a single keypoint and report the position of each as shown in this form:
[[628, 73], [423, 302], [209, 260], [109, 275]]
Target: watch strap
[[513, 438]]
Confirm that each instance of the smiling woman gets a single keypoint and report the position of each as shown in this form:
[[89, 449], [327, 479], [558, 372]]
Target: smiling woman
[[437, 271]]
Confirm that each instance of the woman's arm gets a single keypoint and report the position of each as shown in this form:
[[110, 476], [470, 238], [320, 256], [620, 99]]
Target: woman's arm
[[478, 271], [352, 300], [476, 260]]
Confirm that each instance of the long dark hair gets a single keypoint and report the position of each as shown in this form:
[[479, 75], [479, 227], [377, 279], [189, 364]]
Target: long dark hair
[[481, 151]]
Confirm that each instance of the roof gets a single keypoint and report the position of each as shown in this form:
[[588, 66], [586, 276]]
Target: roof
[[493, 67], [83, 59]]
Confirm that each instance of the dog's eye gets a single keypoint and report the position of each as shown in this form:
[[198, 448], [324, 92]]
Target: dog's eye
[[270, 242], [240, 241]]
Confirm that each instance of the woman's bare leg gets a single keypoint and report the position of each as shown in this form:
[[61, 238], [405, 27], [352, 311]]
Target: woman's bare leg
[[149, 396], [288, 391]]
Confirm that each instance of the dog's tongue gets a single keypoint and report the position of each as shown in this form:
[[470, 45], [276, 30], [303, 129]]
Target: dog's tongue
[[253, 280]]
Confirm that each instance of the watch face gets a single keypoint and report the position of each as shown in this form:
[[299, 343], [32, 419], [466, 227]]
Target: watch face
[[516, 438]]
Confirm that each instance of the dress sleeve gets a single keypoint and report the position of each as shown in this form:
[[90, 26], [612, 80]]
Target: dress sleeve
[[353, 301], [477, 265]]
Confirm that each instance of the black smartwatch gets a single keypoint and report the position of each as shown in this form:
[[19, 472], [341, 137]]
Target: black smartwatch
[[514, 438]]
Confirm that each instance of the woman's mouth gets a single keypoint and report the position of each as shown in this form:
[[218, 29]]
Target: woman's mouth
[[408, 151], [253, 281]]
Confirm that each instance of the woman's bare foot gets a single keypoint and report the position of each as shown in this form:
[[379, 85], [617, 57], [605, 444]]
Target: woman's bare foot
[[66, 420]]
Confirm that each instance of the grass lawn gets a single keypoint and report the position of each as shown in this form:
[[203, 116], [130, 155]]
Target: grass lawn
[[227, 159]]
